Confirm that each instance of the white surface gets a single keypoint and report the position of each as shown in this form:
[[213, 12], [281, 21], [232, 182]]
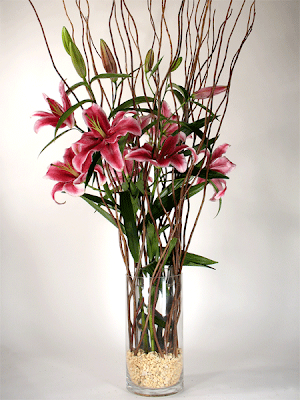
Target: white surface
[[62, 326]]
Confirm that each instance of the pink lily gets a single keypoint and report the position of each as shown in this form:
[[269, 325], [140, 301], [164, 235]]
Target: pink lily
[[208, 91], [217, 162], [56, 112], [104, 137], [169, 154], [68, 177]]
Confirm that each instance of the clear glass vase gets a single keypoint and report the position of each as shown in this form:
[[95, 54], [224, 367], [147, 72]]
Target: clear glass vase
[[154, 357]]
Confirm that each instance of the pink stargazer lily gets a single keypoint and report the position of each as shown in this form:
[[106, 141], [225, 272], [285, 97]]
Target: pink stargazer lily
[[206, 92], [217, 162], [69, 178], [104, 137], [56, 111], [169, 154]]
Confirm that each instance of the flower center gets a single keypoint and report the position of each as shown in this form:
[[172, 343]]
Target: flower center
[[95, 124], [68, 168]]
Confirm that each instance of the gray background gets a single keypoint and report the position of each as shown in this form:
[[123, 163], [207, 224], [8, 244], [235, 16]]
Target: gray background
[[63, 283]]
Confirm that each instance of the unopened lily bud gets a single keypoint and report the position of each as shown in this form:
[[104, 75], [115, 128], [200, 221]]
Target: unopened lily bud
[[108, 60], [206, 92], [149, 60], [66, 39], [77, 60]]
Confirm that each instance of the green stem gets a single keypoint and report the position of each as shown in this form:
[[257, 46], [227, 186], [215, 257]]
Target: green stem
[[143, 321], [151, 328]]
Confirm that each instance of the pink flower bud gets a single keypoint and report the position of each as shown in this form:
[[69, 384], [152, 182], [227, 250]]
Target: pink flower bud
[[108, 60], [206, 92]]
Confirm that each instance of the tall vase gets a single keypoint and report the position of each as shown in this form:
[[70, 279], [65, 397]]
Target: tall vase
[[154, 357]]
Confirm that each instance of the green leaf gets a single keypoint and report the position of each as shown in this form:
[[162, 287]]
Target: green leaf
[[198, 261], [77, 60], [107, 75], [67, 113], [122, 142], [99, 201], [176, 63], [53, 140], [211, 173], [152, 241], [130, 103], [75, 86], [109, 193], [179, 96], [126, 210], [168, 200], [181, 89], [172, 244], [155, 67], [159, 320], [96, 158], [214, 116], [149, 268], [101, 211]]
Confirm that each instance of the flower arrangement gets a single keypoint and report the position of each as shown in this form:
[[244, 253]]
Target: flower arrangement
[[151, 119]]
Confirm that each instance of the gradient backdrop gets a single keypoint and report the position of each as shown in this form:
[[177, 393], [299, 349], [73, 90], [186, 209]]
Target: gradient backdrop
[[63, 284]]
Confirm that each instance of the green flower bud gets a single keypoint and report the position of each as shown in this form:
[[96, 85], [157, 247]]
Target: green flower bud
[[149, 60], [77, 60], [66, 39]]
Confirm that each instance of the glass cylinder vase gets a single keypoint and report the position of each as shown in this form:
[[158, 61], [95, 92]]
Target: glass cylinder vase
[[154, 357]]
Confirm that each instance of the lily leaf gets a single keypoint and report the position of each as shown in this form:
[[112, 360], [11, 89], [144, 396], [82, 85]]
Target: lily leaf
[[176, 63], [75, 86], [181, 89], [107, 75], [130, 103], [126, 210], [101, 211], [152, 241], [155, 67], [198, 261], [96, 157], [168, 200], [98, 200], [53, 140]]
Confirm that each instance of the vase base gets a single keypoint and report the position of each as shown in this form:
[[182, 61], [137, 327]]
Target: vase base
[[143, 391]]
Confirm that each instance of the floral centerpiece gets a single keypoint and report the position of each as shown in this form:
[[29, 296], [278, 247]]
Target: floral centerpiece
[[145, 147]]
